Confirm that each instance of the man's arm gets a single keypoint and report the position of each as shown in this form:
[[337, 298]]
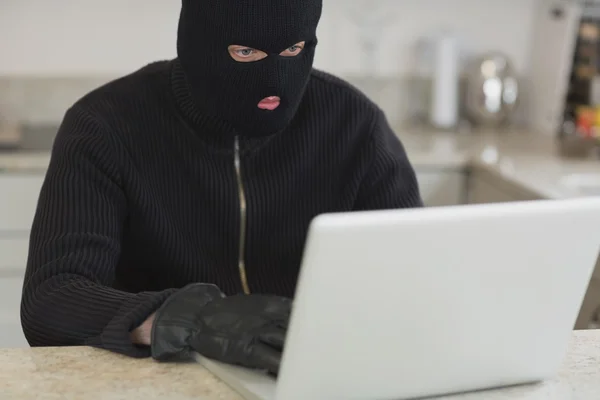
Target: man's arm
[[390, 181], [75, 245]]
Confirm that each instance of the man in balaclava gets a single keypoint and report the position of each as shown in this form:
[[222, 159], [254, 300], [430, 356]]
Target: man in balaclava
[[177, 200], [230, 90]]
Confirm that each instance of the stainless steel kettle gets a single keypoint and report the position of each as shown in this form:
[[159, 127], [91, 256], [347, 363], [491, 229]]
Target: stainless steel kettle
[[492, 90]]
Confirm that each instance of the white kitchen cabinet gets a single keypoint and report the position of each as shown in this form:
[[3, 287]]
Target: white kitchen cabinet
[[11, 333], [441, 187], [19, 194], [13, 250]]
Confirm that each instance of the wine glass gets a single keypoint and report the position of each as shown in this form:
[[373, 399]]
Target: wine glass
[[371, 18]]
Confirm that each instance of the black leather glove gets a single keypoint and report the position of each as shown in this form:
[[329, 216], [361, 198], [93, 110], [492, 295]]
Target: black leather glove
[[245, 330]]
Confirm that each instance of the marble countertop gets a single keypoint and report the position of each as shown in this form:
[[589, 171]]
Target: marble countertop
[[75, 373], [529, 161], [578, 378], [70, 373]]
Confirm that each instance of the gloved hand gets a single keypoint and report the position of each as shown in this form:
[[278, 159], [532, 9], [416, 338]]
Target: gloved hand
[[246, 330]]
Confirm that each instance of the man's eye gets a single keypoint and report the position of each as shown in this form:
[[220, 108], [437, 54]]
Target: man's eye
[[292, 50], [244, 52]]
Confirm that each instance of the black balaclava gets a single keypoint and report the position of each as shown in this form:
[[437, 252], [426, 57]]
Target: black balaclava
[[229, 90]]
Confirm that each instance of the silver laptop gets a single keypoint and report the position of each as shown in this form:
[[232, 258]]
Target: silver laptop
[[425, 302]]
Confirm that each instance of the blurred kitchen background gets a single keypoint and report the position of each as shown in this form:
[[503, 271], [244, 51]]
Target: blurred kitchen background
[[53, 52], [494, 100]]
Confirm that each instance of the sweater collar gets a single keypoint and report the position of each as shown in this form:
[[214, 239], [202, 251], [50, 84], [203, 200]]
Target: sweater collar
[[210, 128]]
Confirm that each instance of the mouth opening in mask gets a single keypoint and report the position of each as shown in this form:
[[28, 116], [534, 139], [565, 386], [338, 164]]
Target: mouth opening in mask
[[269, 103]]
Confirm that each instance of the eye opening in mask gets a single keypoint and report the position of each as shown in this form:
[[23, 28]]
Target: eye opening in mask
[[248, 54]]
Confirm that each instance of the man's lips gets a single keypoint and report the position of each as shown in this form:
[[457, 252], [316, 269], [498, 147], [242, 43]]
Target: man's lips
[[269, 103]]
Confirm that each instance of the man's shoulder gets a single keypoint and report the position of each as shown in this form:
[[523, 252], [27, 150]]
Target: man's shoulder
[[118, 97], [335, 103], [340, 93]]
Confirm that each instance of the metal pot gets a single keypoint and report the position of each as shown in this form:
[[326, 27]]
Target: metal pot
[[492, 90]]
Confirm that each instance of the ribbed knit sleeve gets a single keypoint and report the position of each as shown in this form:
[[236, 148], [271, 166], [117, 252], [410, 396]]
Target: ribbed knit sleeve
[[391, 181], [75, 245]]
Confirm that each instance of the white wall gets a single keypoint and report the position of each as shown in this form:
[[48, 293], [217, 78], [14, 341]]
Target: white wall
[[106, 37], [60, 37]]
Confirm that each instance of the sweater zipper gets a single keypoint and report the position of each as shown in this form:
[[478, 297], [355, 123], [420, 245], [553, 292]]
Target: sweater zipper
[[243, 217]]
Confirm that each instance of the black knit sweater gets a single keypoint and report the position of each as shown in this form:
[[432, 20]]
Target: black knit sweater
[[142, 196]]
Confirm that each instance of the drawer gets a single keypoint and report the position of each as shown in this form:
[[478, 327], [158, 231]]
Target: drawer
[[19, 194], [13, 251]]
